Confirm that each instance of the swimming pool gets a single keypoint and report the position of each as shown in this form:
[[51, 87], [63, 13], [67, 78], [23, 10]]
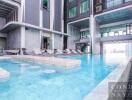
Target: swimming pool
[[30, 81]]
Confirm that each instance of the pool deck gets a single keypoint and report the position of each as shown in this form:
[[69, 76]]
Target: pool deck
[[60, 62], [129, 90]]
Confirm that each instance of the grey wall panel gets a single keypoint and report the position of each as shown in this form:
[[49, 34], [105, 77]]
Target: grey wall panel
[[46, 18], [2, 22], [13, 39], [2, 43], [57, 19], [32, 39], [74, 36], [32, 12], [58, 41], [3, 34]]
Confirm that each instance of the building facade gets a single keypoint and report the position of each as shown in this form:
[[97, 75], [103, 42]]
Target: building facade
[[31, 24], [61, 24], [92, 23]]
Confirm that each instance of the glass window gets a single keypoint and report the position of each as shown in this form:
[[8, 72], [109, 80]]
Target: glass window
[[121, 32], [45, 3], [71, 0], [124, 33], [116, 34], [84, 34], [112, 3], [84, 6], [105, 34], [72, 12], [111, 34]]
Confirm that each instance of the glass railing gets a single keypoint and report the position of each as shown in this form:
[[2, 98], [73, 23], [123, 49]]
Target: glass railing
[[118, 33]]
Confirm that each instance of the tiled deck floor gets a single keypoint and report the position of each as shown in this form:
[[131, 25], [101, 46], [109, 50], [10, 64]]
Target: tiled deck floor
[[129, 87]]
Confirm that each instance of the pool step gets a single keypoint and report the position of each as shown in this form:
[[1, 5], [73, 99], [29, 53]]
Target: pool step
[[4, 74], [59, 62]]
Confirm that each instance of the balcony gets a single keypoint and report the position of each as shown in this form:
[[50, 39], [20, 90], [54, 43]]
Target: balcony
[[8, 12]]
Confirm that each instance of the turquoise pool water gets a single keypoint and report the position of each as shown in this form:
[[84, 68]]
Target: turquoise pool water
[[29, 81]]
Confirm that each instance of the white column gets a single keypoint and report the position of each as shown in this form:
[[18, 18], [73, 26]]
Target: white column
[[22, 29], [40, 14], [22, 39], [62, 16], [21, 12], [93, 33], [40, 20], [62, 22], [52, 14], [52, 40], [95, 45]]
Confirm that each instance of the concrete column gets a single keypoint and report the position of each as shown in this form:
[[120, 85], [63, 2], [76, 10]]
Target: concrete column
[[21, 11], [62, 23], [94, 31], [62, 44], [21, 17], [40, 20], [40, 14], [52, 4], [62, 16], [22, 39], [52, 41]]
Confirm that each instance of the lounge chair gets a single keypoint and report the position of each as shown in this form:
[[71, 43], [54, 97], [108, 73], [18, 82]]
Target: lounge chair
[[50, 51], [74, 52], [79, 51], [28, 52], [67, 51], [16, 52], [58, 51], [37, 52]]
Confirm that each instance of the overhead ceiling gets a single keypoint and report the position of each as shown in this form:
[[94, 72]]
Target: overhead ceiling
[[5, 9], [81, 24], [115, 16]]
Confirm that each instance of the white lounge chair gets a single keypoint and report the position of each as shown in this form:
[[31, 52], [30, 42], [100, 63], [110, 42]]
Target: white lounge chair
[[37, 51], [50, 51], [12, 51], [59, 51], [79, 51], [67, 51], [73, 51]]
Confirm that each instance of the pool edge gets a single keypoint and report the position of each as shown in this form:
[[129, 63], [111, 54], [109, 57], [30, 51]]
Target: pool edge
[[101, 91]]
